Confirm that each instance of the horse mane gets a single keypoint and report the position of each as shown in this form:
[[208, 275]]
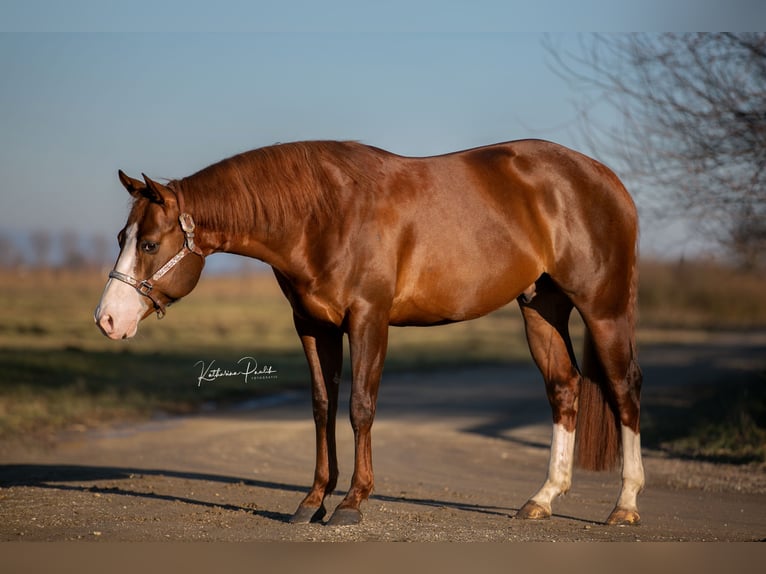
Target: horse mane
[[275, 186]]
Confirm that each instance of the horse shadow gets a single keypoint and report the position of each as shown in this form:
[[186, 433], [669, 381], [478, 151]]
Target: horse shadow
[[69, 478]]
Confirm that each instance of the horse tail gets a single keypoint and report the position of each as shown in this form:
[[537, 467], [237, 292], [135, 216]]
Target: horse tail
[[598, 434]]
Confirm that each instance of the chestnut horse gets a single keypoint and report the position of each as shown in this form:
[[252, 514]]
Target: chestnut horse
[[360, 239]]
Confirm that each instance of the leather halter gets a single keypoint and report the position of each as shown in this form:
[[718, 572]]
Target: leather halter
[[146, 287]]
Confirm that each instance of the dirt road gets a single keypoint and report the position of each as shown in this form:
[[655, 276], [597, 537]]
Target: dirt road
[[456, 454]]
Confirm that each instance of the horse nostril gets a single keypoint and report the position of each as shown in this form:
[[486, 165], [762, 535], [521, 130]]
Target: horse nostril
[[106, 322]]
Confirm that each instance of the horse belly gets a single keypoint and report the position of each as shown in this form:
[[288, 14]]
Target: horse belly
[[448, 295]]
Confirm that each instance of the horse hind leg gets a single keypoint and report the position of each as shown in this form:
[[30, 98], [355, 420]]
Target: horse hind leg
[[546, 313], [614, 347]]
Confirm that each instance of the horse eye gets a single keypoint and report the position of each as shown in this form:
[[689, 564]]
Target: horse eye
[[149, 247]]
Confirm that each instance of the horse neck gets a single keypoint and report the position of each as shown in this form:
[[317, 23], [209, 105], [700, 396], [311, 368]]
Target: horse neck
[[232, 220]]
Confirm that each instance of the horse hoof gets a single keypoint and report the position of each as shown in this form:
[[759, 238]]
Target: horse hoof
[[345, 517], [533, 511], [306, 514], [623, 517]]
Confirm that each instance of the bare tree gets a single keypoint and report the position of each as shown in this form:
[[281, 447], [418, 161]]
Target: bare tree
[[690, 135]]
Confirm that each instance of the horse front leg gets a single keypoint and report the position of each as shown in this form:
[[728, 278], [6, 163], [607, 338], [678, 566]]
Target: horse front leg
[[323, 347], [368, 340]]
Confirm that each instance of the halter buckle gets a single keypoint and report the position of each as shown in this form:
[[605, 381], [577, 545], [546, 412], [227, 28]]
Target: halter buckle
[[145, 287]]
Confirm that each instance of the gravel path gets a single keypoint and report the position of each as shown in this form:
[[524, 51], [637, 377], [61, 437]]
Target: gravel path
[[456, 454]]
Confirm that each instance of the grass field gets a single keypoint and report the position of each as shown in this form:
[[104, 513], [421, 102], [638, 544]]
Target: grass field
[[58, 372]]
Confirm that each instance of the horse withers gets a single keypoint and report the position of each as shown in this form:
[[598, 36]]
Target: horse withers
[[361, 239]]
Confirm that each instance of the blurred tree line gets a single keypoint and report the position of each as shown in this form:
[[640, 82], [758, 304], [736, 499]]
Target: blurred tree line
[[44, 249]]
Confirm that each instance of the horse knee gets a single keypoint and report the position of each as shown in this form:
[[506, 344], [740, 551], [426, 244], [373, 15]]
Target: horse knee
[[362, 413], [321, 409]]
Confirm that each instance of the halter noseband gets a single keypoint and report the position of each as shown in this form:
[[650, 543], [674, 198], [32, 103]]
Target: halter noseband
[[146, 286]]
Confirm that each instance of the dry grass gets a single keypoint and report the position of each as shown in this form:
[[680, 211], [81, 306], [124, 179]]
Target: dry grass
[[59, 371], [225, 314], [700, 295]]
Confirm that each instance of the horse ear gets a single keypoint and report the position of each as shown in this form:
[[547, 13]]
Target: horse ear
[[156, 192], [135, 187]]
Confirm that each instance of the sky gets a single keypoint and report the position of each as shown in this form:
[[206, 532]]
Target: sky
[[168, 88]]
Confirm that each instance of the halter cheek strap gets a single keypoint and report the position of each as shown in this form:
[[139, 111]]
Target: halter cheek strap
[[146, 286]]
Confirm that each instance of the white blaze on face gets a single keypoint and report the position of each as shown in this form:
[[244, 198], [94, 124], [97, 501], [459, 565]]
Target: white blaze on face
[[121, 306]]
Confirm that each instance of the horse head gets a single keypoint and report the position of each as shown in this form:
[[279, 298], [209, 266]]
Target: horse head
[[152, 270]]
